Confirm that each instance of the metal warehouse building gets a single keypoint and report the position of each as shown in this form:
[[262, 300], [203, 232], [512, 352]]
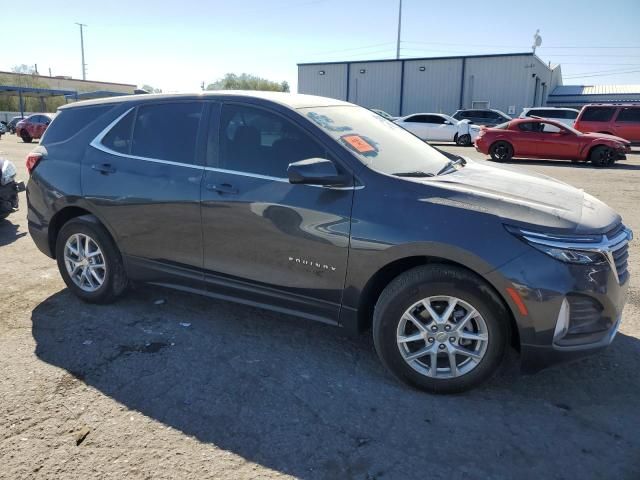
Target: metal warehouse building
[[508, 82]]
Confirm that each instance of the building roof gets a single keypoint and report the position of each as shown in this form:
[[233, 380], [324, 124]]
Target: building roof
[[597, 90], [291, 100], [45, 77], [529, 54]]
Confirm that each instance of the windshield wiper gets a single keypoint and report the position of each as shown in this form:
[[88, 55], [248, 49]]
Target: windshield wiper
[[451, 164], [417, 174]]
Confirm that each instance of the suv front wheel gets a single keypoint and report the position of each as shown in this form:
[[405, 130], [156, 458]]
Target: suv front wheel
[[440, 328], [89, 262]]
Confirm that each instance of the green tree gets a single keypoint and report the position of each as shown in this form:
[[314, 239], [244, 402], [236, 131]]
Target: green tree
[[151, 89], [245, 81], [27, 78]]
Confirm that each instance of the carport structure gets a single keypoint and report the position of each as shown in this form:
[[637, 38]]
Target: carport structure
[[34, 92]]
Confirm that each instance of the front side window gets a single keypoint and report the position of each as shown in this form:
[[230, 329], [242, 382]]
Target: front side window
[[597, 114], [435, 119], [253, 140], [167, 131], [629, 114], [382, 146], [418, 119], [529, 127]]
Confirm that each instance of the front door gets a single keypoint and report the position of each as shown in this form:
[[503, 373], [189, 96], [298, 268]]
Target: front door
[[143, 179], [557, 142], [266, 241]]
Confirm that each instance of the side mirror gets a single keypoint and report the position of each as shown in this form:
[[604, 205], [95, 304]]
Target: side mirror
[[315, 171]]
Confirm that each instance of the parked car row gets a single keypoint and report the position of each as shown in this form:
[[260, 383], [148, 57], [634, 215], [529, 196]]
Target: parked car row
[[618, 120]]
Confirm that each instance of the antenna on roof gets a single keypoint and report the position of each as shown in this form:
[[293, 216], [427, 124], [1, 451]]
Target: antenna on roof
[[537, 40]]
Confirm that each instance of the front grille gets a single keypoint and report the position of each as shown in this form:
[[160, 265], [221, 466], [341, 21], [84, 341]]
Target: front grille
[[619, 251]]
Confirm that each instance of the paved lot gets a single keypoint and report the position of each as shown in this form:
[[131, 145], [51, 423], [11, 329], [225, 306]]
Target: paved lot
[[196, 388]]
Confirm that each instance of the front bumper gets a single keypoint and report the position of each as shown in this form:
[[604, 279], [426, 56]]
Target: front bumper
[[9, 197], [595, 295]]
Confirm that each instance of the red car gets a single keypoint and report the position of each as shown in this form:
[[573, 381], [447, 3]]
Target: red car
[[542, 138], [33, 126], [620, 120]]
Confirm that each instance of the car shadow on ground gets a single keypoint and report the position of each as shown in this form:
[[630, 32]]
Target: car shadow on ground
[[9, 232], [304, 399]]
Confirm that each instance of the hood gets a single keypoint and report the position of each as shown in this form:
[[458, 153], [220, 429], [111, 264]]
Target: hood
[[524, 199], [608, 137]]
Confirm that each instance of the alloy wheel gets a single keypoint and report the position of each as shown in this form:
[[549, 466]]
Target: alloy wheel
[[442, 337], [85, 262]]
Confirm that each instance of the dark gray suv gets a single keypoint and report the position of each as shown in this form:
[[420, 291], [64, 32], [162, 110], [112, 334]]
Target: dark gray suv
[[325, 210]]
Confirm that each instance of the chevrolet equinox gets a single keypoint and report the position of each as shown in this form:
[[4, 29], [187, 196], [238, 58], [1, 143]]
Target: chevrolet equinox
[[325, 210]]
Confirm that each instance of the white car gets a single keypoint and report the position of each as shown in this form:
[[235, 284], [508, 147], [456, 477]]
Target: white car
[[563, 115], [440, 127]]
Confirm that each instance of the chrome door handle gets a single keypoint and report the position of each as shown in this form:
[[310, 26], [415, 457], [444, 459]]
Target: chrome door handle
[[223, 188]]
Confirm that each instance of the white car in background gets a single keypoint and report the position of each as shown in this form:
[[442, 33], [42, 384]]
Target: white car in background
[[566, 116], [439, 127]]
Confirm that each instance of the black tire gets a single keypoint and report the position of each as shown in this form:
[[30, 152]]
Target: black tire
[[463, 140], [26, 138], [115, 278], [602, 156], [435, 280], [501, 151]]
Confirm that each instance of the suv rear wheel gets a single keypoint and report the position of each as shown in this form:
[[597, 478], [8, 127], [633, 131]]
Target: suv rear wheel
[[26, 138], [89, 262], [440, 328]]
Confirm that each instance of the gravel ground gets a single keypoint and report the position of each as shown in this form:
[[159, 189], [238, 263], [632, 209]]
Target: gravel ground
[[170, 385]]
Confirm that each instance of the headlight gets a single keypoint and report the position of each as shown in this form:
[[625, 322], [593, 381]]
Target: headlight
[[582, 249], [8, 172]]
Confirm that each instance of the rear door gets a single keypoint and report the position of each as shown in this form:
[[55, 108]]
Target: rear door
[[267, 241], [627, 124], [417, 124], [438, 128], [525, 139], [142, 175]]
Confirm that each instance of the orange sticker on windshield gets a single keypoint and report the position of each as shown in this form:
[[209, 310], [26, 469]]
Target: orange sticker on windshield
[[358, 143]]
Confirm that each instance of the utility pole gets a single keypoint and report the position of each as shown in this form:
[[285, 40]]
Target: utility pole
[[399, 30], [84, 65]]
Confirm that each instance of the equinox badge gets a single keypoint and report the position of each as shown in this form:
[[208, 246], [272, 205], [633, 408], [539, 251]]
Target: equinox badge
[[311, 263]]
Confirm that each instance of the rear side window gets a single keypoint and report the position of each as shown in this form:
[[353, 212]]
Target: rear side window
[[70, 121], [167, 131], [119, 137], [597, 114], [629, 114]]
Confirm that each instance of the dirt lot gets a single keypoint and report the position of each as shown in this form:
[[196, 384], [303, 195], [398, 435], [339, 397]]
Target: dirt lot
[[169, 385]]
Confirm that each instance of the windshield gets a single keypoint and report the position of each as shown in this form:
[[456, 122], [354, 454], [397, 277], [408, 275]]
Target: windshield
[[378, 143]]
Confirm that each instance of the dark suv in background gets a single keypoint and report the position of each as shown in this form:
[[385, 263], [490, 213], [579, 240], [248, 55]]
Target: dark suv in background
[[486, 116], [321, 209]]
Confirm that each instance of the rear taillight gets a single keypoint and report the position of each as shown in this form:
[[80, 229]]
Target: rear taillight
[[32, 161]]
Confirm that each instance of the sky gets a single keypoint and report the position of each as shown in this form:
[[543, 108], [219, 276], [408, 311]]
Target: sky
[[177, 45]]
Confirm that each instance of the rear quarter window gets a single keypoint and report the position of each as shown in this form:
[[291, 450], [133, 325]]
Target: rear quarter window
[[629, 114], [597, 114], [70, 121]]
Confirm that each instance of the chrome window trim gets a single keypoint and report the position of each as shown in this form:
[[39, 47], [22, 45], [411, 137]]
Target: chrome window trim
[[97, 144]]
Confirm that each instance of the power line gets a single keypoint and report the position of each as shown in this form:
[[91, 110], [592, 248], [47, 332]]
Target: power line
[[602, 74], [354, 48]]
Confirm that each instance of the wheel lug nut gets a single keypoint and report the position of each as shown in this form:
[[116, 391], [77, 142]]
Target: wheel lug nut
[[452, 339], [441, 347], [447, 327], [434, 328], [430, 339]]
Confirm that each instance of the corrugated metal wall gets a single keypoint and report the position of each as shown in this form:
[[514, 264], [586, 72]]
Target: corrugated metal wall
[[434, 89], [328, 80], [376, 85], [506, 82]]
